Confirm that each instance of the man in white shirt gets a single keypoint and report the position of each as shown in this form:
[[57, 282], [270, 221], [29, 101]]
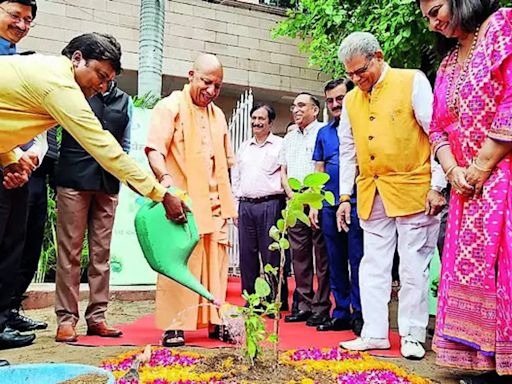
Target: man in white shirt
[[257, 187], [297, 162]]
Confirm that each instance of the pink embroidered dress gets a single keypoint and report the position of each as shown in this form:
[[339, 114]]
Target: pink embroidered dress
[[474, 318]]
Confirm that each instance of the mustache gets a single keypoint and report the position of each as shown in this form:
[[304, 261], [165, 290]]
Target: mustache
[[337, 109], [257, 125]]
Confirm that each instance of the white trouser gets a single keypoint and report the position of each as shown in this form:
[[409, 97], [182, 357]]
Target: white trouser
[[417, 237]]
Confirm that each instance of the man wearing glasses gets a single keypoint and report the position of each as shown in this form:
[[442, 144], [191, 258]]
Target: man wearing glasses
[[344, 250], [16, 18], [38, 92], [296, 160], [384, 136], [88, 196]]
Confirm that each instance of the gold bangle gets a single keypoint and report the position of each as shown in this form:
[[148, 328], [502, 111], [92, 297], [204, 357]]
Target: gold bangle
[[344, 198], [450, 170], [479, 167]]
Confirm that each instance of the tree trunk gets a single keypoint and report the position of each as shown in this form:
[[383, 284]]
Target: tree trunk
[[151, 44]]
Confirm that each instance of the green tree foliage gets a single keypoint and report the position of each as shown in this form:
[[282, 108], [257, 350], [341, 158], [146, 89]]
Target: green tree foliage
[[397, 24]]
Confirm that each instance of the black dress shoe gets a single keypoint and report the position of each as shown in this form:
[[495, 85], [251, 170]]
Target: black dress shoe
[[4, 363], [14, 339], [23, 323], [317, 319], [335, 325], [298, 317], [357, 326]]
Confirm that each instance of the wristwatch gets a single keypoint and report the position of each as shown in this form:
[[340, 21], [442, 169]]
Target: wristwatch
[[344, 199]]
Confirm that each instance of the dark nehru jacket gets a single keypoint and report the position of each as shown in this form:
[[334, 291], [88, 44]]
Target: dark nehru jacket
[[76, 168]]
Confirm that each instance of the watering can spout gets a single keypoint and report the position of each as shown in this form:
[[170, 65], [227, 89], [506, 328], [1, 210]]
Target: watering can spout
[[167, 246]]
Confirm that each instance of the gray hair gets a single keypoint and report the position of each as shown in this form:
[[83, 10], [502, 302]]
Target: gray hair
[[358, 43]]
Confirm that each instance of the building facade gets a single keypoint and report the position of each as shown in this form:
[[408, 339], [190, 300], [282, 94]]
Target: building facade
[[238, 32]]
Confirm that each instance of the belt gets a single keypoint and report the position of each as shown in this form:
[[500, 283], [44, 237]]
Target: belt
[[261, 199]]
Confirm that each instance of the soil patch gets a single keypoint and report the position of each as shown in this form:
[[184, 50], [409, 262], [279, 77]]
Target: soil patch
[[264, 371], [87, 379], [46, 350]]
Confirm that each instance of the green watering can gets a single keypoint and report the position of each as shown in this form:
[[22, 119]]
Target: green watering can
[[166, 245]]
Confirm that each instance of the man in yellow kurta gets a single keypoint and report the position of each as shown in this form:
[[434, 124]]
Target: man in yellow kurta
[[188, 147], [38, 92]]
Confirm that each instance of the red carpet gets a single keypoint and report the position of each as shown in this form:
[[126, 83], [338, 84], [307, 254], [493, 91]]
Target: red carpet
[[292, 335]]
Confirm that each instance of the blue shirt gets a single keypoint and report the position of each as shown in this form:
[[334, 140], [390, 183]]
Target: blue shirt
[[6, 47], [327, 149]]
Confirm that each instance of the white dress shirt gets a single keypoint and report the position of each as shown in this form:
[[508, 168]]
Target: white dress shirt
[[39, 147], [422, 99]]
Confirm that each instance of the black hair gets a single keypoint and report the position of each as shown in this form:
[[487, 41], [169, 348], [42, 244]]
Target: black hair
[[313, 98], [96, 46], [30, 3], [270, 110], [337, 82], [467, 15]]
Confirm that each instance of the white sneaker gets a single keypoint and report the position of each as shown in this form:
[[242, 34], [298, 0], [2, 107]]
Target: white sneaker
[[365, 343], [411, 348]]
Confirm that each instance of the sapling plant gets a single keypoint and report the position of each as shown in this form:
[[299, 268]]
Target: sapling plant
[[263, 302]]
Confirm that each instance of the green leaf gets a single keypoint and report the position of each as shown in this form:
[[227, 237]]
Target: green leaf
[[261, 287], [294, 184], [284, 243], [273, 232], [311, 197], [291, 220], [316, 179], [274, 246], [316, 205], [304, 218], [270, 269], [272, 338], [329, 197], [251, 348], [280, 225]]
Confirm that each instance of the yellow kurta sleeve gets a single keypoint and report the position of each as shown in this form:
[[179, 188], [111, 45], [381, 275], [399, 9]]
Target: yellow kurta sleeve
[[69, 108], [7, 158]]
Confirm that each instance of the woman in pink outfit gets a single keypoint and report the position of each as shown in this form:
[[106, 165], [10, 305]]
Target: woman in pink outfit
[[471, 135]]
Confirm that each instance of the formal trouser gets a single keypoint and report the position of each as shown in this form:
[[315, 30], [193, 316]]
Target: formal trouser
[[417, 236], [303, 239], [344, 249], [76, 211], [13, 222], [254, 222], [36, 220]]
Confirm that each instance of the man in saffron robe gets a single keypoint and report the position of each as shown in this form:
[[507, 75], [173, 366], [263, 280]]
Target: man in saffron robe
[[188, 147]]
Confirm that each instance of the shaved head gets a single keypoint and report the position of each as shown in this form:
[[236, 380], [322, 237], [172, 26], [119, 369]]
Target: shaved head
[[207, 63], [205, 79]]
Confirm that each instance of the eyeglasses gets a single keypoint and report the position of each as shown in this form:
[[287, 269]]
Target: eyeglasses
[[17, 19], [360, 71], [339, 99], [299, 106]]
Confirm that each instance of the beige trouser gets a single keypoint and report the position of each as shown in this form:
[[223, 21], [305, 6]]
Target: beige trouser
[[416, 237], [76, 211]]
